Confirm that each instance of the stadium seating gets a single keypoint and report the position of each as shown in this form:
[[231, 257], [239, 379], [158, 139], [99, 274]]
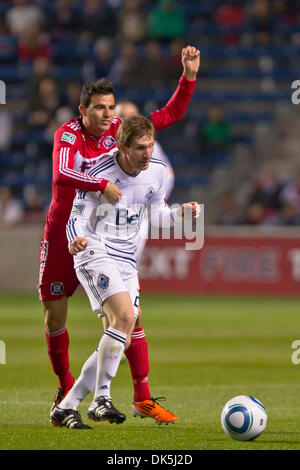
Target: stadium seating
[[247, 80]]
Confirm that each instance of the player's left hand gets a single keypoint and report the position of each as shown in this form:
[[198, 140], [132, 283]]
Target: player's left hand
[[112, 193], [190, 210], [190, 58], [77, 245]]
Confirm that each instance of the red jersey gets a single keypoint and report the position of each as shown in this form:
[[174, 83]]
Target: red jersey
[[75, 151]]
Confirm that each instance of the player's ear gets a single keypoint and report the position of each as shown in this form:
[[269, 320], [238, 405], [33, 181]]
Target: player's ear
[[82, 110]]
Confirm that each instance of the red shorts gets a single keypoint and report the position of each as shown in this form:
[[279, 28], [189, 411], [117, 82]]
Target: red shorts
[[57, 276]]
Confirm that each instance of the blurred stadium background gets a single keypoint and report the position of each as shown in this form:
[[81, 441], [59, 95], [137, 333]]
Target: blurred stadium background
[[236, 150]]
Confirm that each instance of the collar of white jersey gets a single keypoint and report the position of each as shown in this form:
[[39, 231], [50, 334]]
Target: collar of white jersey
[[123, 171]]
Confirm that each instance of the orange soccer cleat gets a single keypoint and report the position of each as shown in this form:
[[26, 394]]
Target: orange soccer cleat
[[150, 408], [60, 395]]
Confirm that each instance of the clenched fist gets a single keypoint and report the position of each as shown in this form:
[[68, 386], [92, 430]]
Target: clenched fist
[[190, 210], [77, 245], [112, 192], [190, 58]]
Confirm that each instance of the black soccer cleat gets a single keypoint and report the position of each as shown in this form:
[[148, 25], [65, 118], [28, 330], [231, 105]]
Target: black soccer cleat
[[102, 409], [67, 418]]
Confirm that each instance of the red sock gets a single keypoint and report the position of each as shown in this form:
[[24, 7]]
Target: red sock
[[58, 346], [137, 355]]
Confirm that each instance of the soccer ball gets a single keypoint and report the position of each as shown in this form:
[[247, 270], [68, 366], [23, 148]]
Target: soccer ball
[[244, 418]]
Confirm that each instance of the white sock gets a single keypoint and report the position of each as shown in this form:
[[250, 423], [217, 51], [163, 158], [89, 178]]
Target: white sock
[[84, 384], [110, 350]]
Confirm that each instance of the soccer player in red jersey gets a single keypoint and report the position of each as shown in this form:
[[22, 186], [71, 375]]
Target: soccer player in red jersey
[[78, 145]]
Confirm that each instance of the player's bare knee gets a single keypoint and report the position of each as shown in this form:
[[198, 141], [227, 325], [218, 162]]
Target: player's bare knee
[[125, 320], [55, 315], [53, 320], [52, 325]]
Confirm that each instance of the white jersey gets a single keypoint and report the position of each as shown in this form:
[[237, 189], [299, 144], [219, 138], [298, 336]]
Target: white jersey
[[112, 230], [159, 154]]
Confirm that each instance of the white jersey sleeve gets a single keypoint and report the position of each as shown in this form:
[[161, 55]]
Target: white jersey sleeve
[[160, 214], [84, 206], [159, 154]]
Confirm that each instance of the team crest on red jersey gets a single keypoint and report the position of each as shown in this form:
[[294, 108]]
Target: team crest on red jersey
[[109, 142]]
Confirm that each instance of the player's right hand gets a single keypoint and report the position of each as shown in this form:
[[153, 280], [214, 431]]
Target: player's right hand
[[190, 210], [77, 245], [190, 57], [112, 192]]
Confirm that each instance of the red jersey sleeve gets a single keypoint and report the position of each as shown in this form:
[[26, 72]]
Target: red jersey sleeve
[[176, 106], [66, 144]]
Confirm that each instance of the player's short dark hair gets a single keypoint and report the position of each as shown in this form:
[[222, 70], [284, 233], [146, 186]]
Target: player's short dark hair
[[100, 87], [134, 126]]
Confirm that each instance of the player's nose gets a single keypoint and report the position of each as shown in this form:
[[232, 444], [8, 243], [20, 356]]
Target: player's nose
[[107, 112]]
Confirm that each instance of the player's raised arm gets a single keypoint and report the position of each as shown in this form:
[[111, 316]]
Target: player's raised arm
[[173, 111], [190, 58]]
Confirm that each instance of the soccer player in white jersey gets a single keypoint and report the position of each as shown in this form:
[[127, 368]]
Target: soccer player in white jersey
[[102, 239], [125, 109]]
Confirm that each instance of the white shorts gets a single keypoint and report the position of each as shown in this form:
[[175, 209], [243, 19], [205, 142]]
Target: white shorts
[[101, 279]]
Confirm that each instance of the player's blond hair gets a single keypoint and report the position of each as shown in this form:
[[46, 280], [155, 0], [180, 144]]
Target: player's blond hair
[[134, 127]]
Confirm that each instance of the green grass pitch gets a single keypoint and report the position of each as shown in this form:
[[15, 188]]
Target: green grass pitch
[[203, 351]]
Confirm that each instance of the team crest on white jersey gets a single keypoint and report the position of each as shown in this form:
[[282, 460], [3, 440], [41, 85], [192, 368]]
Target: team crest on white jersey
[[149, 195], [109, 142]]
